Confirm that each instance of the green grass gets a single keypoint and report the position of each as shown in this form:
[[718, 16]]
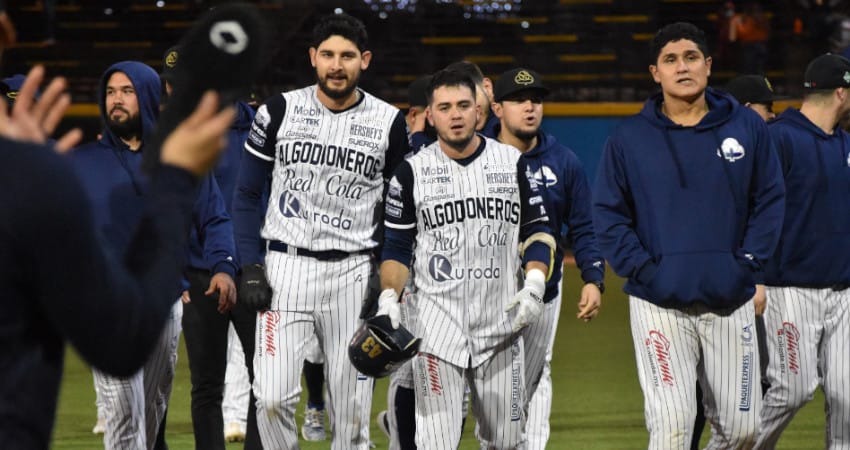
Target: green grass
[[597, 400]]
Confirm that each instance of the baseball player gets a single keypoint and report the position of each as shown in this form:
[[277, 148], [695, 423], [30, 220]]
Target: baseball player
[[327, 149], [688, 206], [456, 212], [60, 284], [808, 311], [110, 172], [563, 185], [400, 426]]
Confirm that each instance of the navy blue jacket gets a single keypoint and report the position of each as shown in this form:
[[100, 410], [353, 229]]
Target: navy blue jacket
[[566, 194], [690, 214], [58, 284], [225, 173], [814, 250], [112, 177]]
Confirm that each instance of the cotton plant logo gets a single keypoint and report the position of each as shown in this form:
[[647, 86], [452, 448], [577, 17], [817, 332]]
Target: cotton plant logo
[[731, 150]]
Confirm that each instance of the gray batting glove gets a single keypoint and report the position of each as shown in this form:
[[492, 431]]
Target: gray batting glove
[[529, 300], [388, 306]]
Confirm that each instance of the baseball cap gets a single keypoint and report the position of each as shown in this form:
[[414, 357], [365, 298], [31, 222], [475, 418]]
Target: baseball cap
[[416, 91], [518, 80], [752, 89], [169, 62], [10, 87], [827, 71]]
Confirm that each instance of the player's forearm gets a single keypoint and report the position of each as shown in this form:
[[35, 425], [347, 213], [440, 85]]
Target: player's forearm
[[393, 275]]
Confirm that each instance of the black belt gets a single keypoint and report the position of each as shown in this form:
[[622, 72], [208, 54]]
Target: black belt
[[839, 287], [324, 255]]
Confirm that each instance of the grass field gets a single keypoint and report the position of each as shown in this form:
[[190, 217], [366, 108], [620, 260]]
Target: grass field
[[597, 399]]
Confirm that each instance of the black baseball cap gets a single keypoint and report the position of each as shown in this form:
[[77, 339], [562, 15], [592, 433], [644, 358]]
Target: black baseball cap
[[169, 62], [416, 91], [827, 71], [518, 80], [9, 88], [752, 89]]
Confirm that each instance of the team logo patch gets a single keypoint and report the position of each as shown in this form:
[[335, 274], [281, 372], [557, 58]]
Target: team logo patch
[[731, 150], [229, 37], [262, 117], [171, 59], [658, 356], [545, 177]]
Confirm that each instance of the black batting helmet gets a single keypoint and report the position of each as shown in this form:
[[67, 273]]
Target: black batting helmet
[[376, 349]]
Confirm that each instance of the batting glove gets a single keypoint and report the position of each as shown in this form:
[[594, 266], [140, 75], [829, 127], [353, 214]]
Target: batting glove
[[254, 289], [388, 306], [529, 300]]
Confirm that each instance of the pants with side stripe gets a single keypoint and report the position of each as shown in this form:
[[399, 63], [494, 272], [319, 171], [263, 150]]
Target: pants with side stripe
[[497, 395], [808, 334], [675, 347], [539, 338], [312, 299], [135, 406]]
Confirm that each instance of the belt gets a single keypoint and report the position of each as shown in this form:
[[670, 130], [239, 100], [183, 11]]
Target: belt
[[839, 287], [324, 255]]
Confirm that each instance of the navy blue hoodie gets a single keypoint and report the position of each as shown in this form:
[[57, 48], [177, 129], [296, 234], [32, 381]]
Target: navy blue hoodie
[[566, 195], [58, 284], [225, 173], [112, 177], [814, 250], [690, 214]]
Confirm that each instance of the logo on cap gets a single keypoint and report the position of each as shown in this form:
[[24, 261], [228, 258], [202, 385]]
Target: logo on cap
[[171, 59], [847, 77], [523, 78], [229, 37], [767, 83]]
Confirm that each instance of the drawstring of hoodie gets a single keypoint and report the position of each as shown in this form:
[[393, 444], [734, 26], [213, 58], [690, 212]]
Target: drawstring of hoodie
[[672, 149], [119, 153]]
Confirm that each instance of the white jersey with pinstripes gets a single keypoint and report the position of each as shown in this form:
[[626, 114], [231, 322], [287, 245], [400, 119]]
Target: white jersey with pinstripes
[[466, 259], [327, 175]]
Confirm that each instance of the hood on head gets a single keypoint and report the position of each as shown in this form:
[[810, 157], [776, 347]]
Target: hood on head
[[147, 84]]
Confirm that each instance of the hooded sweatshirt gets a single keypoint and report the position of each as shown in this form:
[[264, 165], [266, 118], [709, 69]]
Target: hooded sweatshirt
[[814, 249], [690, 214], [112, 177], [563, 184], [225, 173]]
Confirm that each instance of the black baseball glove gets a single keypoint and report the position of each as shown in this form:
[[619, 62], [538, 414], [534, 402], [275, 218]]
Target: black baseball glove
[[254, 289]]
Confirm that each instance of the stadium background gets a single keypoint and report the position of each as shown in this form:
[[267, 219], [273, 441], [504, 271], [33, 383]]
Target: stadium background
[[592, 53]]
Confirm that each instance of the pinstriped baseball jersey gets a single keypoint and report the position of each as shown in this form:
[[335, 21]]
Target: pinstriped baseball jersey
[[467, 218], [327, 176]]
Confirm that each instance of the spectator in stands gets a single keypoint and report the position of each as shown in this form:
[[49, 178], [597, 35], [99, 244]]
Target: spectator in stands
[[751, 28]]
